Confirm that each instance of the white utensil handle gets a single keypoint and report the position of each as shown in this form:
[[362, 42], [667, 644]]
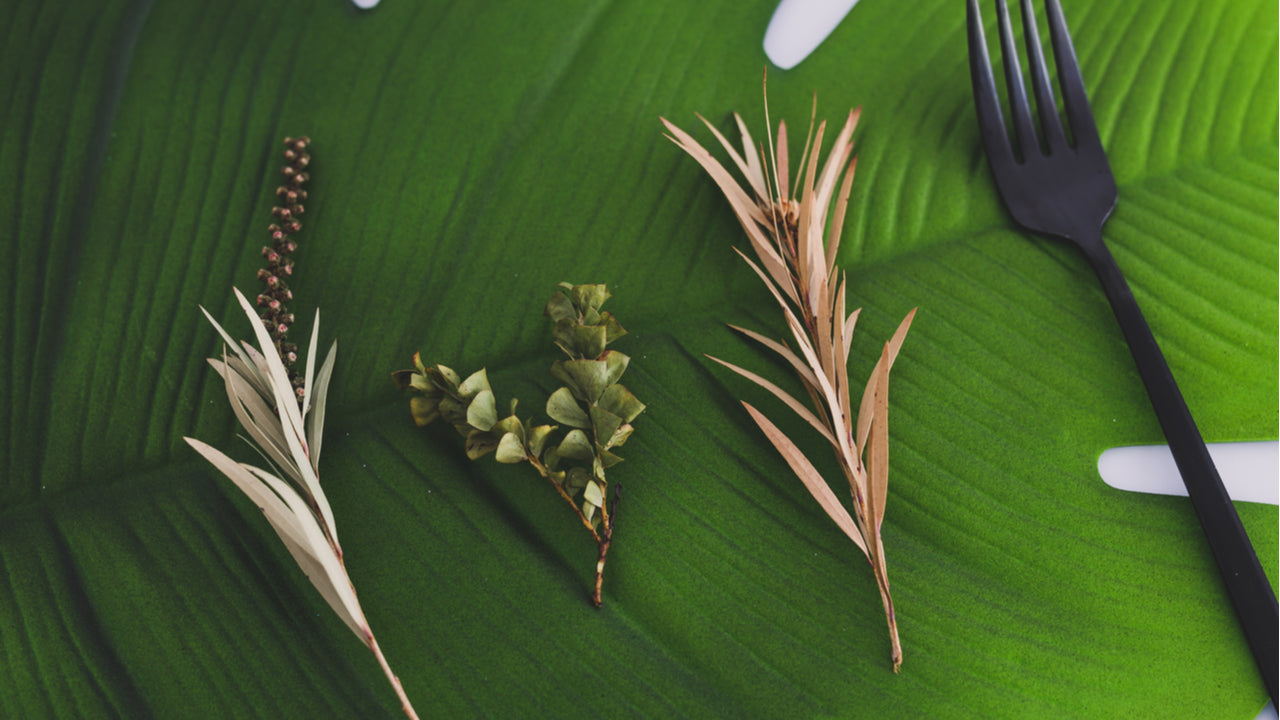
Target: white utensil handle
[[799, 26], [1250, 471]]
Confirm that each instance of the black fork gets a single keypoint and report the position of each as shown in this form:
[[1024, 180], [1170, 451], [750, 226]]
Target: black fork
[[1066, 190]]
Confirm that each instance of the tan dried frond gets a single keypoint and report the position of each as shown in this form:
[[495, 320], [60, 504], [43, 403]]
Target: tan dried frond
[[796, 237], [288, 435]]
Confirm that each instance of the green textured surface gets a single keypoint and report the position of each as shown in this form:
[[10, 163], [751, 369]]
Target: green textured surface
[[471, 155]]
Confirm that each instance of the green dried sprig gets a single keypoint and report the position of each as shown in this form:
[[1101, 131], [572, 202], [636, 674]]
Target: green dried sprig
[[592, 408]]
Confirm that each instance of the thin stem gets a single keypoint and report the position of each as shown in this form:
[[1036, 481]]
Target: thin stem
[[605, 522], [604, 543], [895, 651], [596, 598], [391, 677], [542, 470], [602, 540]]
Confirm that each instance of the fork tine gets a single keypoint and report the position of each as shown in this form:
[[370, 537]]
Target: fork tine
[[1079, 114], [995, 140], [1022, 127], [1049, 121]]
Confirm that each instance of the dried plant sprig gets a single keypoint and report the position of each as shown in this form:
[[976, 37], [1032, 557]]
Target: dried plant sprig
[[275, 293], [796, 252], [283, 414], [289, 436], [591, 403]]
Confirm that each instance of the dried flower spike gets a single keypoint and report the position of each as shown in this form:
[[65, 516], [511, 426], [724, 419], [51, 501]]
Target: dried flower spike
[[275, 293], [796, 259], [595, 408]]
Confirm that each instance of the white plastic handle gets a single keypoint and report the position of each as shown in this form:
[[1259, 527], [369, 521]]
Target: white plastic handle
[[799, 26], [1250, 471]]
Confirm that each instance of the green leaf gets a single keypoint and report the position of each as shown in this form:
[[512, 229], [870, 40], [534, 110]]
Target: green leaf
[[576, 446], [475, 384], [404, 378], [619, 401], [480, 443], [468, 156], [450, 377], [510, 449], [615, 364], [509, 424], [592, 499], [452, 410], [605, 424], [576, 479], [581, 340], [422, 384], [560, 307], [589, 298], [613, 329], [538, 437], [482, 413], [425, 409], [563, 407], [608, 459], [621, 436], [587, 379]]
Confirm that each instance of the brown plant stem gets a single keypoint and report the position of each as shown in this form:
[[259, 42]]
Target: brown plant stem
[[603, 537], [596, 598], [391, 676], [542, 470], [895, 645], [603, 543]]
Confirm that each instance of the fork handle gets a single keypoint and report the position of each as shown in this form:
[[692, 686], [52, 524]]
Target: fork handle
[[1247, 585]]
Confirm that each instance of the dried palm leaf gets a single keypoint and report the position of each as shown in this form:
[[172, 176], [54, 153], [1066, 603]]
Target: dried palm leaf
[[795, 257], [288, 436]]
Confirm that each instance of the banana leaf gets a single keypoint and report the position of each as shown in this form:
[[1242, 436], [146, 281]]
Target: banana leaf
[[467, 157]]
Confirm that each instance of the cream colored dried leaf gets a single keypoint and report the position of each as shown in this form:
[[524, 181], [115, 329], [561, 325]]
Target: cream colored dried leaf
[[263, 400]]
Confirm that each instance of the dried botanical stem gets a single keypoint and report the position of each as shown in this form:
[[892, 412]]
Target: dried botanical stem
[[393, 679], [542, 470], [796, 261], [603, 536], [604, 543], [295, 505], [283, 414], [593, 411]]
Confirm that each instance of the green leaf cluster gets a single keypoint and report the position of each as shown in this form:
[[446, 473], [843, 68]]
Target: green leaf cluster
[[593, 410]]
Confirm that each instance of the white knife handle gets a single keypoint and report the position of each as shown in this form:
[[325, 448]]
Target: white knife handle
[[799, 26]]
